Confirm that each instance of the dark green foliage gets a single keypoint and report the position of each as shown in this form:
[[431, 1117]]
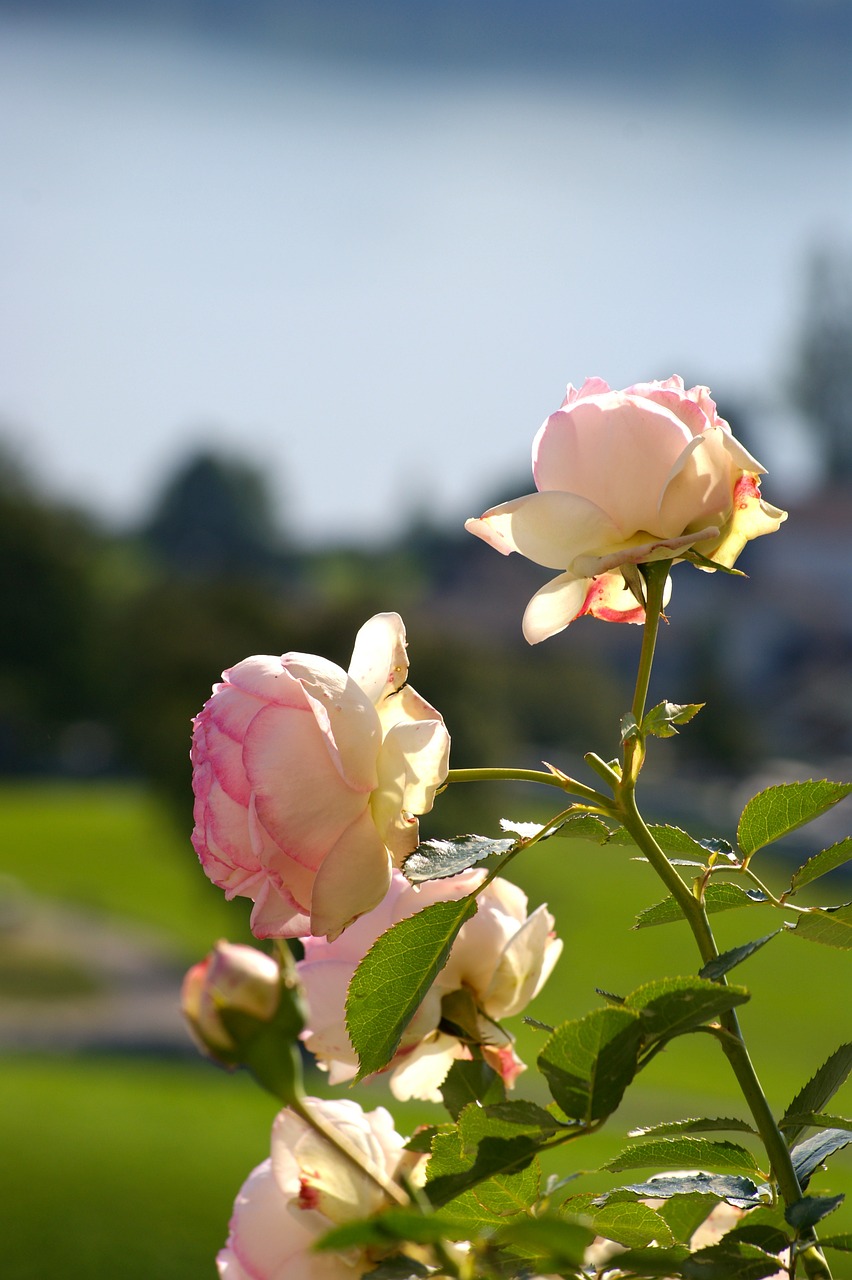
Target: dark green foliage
[[810, 1210], [471, 1082], [811, 1153], [589, 1063], [717, 897], [716, 969], [819, 1090]]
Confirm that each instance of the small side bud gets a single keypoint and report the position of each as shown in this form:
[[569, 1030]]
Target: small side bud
[[226, 996]]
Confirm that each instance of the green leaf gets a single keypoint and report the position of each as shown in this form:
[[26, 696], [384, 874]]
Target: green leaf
[[437, 859], [811, 1153], [841, 1242], [679, 1153], [629, 727], [632, 1225], [727, 1260], [528, 1117], [819, 1090], [389, 984], [471, 1081], [685, 1213], [717, 897], [810, 1210], [716, 969], [505, 1195], [738, 1191], [704, 1125], [653, 1262], [482, 1146], [393, 1226], [820, 865], [585, 826], [777, 811], [555, 1243], [661, 720], [398, 1267], [672, 1006], [421, 1139], [589, 1063], [671, 840], [830, 926], [815, 1120], [767, 1237]]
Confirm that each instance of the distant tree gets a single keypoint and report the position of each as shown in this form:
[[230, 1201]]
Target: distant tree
[[822, 378], [215, 517]]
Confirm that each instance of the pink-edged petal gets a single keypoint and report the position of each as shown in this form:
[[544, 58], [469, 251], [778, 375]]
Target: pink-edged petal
[[353, 878], [615, 450], [276, 915], [751, 517], [379, 658], [225, 757], [344, 715], [231, 710], [550, 528], [226, 829], [301, 799], [553, 607], [591, 387], [503, 1059], [610, 599], [641, 552], [672, 396], [264, 677]]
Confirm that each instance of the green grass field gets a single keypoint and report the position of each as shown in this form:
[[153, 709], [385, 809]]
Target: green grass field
[[128, 1167]]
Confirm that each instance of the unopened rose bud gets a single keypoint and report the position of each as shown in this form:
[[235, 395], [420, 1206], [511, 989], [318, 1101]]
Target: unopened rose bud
[[234, 984]]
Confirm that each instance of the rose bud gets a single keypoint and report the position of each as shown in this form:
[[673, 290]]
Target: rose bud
[[232, 980]]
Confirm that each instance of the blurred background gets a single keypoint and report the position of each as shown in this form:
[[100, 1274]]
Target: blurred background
[[288, 288]]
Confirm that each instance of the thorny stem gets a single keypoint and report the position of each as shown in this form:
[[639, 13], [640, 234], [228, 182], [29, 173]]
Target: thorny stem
[[733, 1044]]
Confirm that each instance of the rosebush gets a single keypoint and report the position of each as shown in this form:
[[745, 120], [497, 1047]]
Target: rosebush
[[623, 478], [499, 961], [304, 1189], [307, 779]]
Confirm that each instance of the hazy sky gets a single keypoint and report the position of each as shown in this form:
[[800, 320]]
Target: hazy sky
[[375, 282]]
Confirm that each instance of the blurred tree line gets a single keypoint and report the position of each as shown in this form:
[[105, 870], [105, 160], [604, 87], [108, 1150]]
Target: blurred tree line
[[111, 640]]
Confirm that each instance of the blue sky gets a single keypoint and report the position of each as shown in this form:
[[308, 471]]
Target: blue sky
[[374, 275]]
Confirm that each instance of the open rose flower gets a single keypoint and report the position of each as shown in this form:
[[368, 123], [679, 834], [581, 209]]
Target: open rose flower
[[623, 478], [306, 1188], [499, 961], [307, 779]]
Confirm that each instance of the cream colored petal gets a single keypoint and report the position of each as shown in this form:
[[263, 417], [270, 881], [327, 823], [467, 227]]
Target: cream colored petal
[[420, 752], [379, 659], [751, 518], [551, 528], [306, 1165], [641, 552], [423, 1071], [353, 878], [517, 975], [555, 606], [344, 714]]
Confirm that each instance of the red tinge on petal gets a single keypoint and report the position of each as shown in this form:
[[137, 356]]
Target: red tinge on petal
[[309, 1197]]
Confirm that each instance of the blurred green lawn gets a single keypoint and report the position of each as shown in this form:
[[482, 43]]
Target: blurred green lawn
[[129, 1166]]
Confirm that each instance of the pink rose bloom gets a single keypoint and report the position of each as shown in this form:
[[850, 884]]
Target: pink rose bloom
[[502, 957], [307, 780], [231, 977], [305, 1189], [623, 478]]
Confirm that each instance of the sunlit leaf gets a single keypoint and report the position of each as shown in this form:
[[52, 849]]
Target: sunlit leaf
[[779, 810], [717, 897], [632, 1224], [684, 1213], [820, 864], [830, 926], [589, 1063], [672, 1006], [479, 1147], [678, 1153], [438, 859], [705, 1125], [389, 984], [716, 969], [555, 1243], [739, 1191], [585, 826], [819, 1090], [663, 718]]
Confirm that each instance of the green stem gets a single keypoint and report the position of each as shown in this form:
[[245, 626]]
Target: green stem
[[733, 1044], [560, 780]]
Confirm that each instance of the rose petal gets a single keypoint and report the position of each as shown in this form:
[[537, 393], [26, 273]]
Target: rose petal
[[518, 973], [550, 528], [346, 718], [353, 878], [379, 658], [751, 517], [301, 800], [423, 1072], [264, 677], [554, 606]]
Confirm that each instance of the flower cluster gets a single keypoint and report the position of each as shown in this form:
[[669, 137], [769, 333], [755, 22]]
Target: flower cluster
[[499, 961]]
